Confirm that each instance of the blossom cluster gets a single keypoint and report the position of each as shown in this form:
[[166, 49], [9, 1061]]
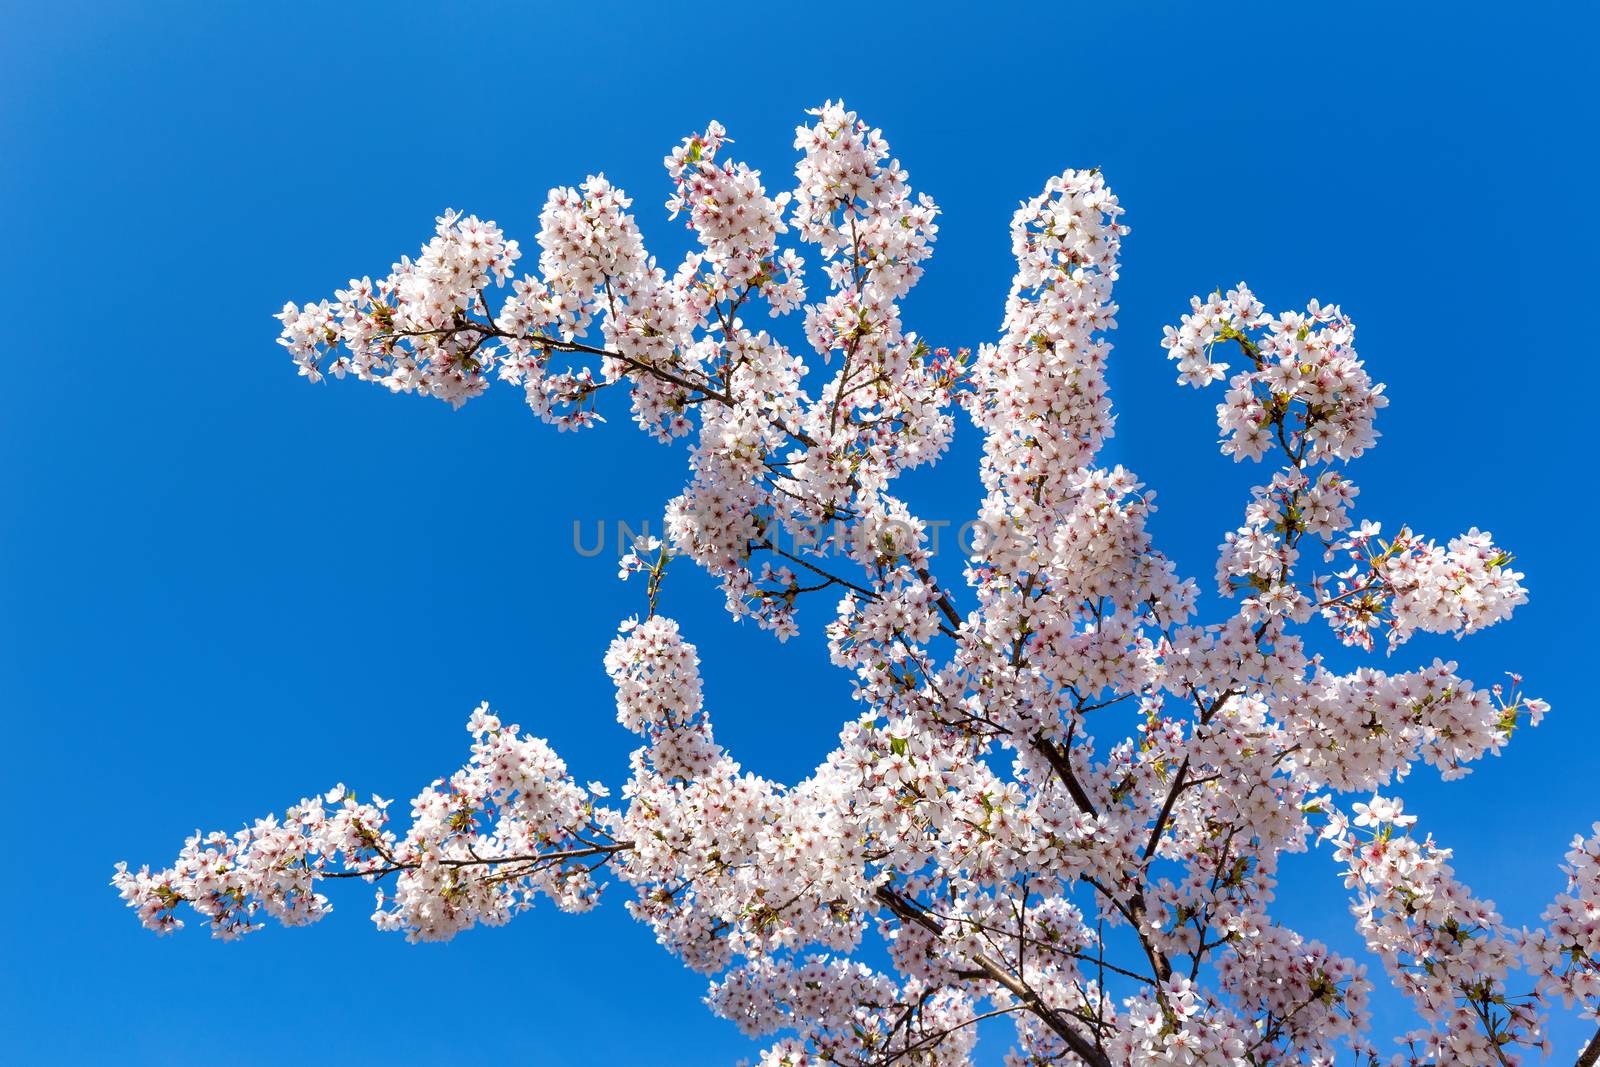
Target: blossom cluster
[[1449, 951], [1565, 954], [1412, 585], [509, 826], [1302, 380]]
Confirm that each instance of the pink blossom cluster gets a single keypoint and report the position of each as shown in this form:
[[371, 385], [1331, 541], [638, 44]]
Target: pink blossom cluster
[[1413, 585], [1565, 954], [1298, 364], [483, 843], [1449, 951]]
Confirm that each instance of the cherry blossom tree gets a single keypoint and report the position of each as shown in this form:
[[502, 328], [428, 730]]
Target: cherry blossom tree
[[1059, 796]]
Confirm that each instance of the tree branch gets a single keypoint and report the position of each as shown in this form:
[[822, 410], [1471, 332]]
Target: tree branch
[[907, 911], [1591, 1052]]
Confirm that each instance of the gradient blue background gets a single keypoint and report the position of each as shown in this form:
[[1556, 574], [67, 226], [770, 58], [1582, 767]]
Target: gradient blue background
[[222, 588]]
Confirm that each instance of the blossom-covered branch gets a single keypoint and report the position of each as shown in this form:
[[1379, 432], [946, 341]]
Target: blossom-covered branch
[[1061, 796]]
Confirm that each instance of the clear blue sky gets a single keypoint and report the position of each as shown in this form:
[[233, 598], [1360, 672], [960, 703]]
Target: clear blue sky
[[221, 588]]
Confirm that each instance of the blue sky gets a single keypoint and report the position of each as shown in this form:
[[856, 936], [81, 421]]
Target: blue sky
[[222, 588]]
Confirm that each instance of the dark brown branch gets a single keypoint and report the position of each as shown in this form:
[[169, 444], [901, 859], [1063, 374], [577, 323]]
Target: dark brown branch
[[907, 911], [538, 857], [1061, 762], [1591, 1052]]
